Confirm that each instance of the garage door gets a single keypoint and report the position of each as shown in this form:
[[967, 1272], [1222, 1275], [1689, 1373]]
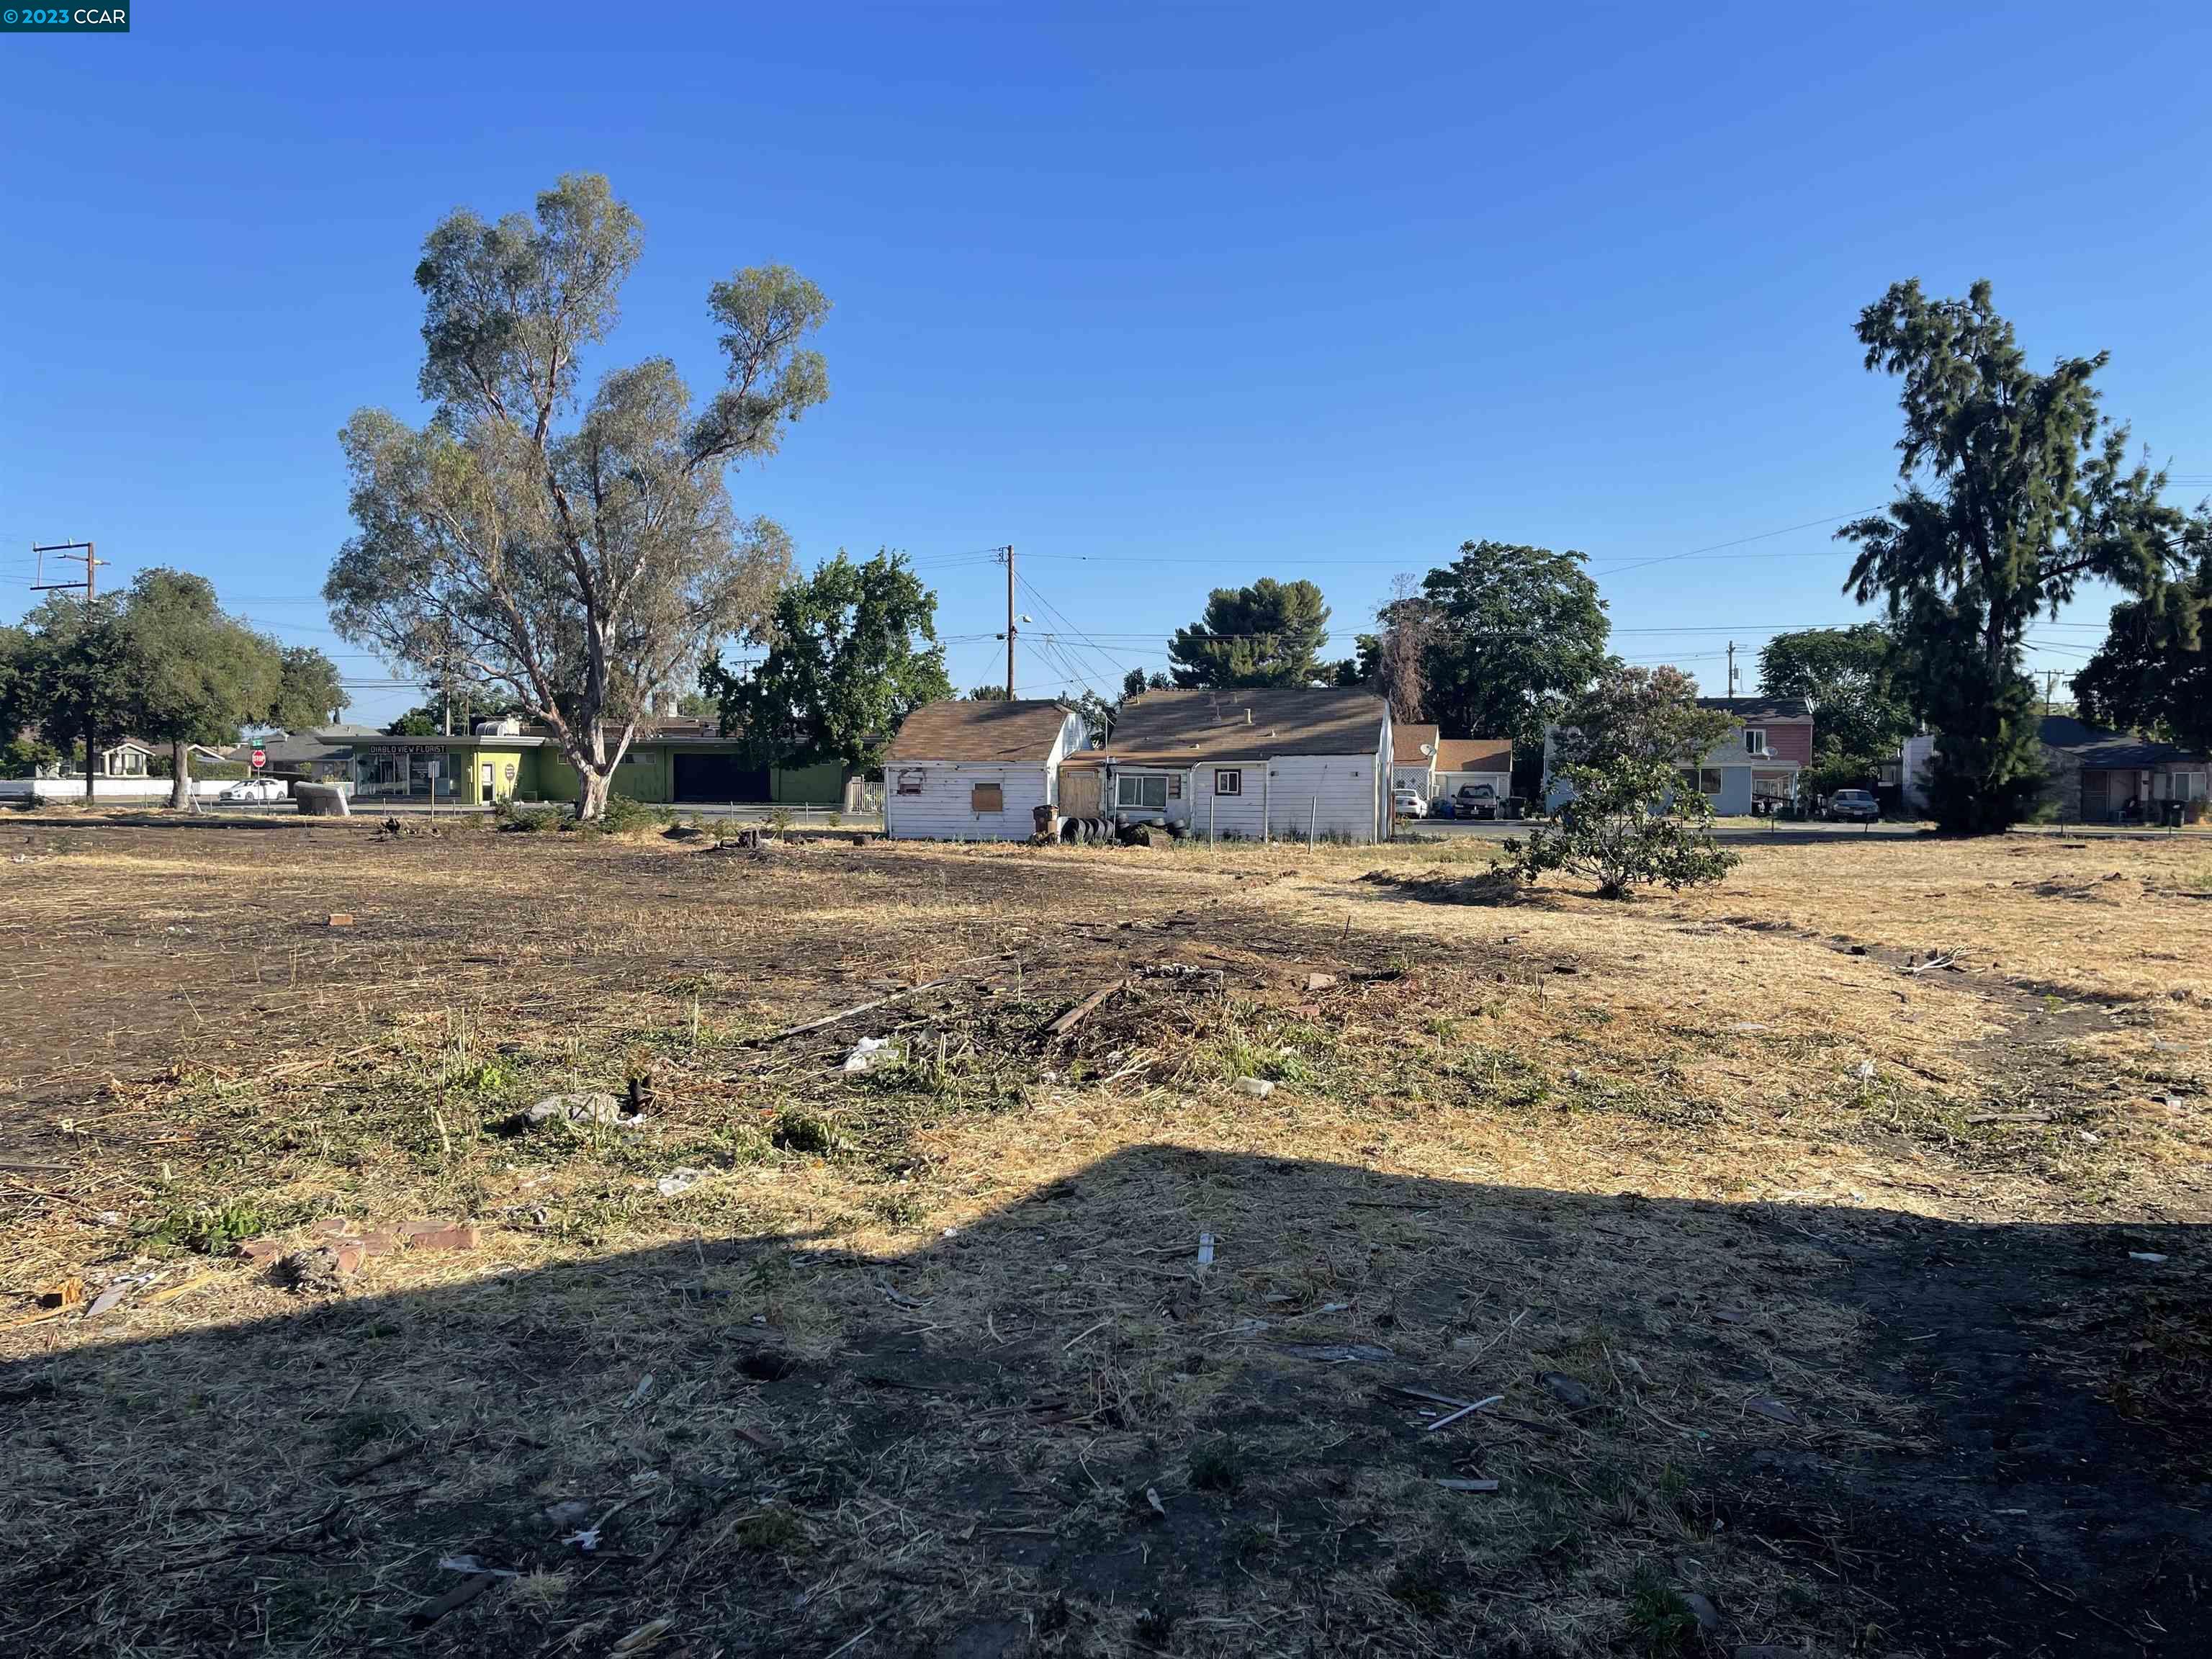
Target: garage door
[[719, 778]]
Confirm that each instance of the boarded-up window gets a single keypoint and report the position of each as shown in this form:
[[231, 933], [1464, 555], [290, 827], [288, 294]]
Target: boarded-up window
[[909, 781], [1228, 780], [989, 798], [1175, 787]]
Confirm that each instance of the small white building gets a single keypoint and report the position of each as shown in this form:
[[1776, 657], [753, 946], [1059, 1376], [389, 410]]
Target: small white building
[[1260, 763], [976, 771]]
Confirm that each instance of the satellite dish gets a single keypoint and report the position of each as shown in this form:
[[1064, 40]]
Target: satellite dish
[[1429, 748]]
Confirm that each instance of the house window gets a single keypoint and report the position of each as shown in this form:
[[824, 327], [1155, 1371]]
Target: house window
[[1228, 780], [1754, 741], [633, 756], [1175, 787], [1143, 792], [1705, 780], [989, 798], [909, 781]]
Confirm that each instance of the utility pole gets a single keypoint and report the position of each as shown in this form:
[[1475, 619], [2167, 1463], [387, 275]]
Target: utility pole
[[1007, 553], [1731, 683], [90, 584], [2049, 689]]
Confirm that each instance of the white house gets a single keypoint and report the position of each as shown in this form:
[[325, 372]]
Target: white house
[[976, 771], [1262, 763]]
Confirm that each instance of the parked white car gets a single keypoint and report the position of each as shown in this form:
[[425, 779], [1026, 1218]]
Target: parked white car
[[1409, 804], [255, 789]]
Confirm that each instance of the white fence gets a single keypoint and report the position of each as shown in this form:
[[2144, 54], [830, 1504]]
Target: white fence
[[109, 789]]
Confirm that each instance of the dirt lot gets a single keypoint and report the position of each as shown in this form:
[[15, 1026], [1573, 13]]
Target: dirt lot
[[1816, 1302]]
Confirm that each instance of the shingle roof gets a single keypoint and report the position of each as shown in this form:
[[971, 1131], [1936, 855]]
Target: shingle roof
[[1759, 709], [1405, 743], [2097, 747], [1247, 724], [991, 733], [1475, 754]]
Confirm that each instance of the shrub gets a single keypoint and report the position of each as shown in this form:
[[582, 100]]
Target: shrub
[[1631, 824], [779, 819], [623, 814]]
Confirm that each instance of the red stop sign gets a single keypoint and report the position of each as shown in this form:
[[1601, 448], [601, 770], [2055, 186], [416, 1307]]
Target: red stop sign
[[260, 758]]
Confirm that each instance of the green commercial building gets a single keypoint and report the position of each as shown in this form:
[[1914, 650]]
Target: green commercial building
[[670, 762]]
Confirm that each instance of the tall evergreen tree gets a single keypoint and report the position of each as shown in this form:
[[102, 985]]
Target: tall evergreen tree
[[2153, 672], [2032, 495], [1268, 633]]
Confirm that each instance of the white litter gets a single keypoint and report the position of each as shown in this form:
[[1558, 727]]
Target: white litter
[[640, 1394], [676, 1182], [866, 1054], [1865, 1071], [470, 1563], [1204, 1251], [2151, 1257], [1258, 1087]]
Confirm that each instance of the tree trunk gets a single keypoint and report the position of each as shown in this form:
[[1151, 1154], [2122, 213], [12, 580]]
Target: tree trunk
[[91, 743], [591, 793], [181, 784]]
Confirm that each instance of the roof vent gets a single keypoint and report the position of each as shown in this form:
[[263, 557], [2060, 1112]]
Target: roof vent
[[1247, 713]]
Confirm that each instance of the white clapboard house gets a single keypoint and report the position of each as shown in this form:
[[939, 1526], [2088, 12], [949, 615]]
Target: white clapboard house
[[1256, 764], [976, 771]]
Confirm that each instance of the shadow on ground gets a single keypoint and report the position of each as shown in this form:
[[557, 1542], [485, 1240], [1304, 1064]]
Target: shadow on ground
[[1053, 1432]]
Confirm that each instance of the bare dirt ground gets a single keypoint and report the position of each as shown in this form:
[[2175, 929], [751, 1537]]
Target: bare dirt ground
[[1815, 1304]]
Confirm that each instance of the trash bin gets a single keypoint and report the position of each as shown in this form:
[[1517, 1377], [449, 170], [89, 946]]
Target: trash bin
[[2170, 813]]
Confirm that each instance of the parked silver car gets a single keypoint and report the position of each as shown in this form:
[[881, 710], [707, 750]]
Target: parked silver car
[[1854, 806]]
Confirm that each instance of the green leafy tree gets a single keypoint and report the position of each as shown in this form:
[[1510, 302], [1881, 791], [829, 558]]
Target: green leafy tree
[[1513, 636], [992, 693], [74, 669], [853, 652], [2030, 493], [1136, 682], [199, 676], [1268, 633], [2153, 672], [1857, 684], [1630, 824], [309, 692], [1644, 714], [584, 569]]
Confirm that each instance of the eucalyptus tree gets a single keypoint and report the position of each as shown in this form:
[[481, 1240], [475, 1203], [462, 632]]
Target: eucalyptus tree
[[581, 553]]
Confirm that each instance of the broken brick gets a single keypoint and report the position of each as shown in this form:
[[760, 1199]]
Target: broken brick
[[382, 1242], [347, 1257], [463, 1237], [261, 1252], [331, 1227], [341, 919]]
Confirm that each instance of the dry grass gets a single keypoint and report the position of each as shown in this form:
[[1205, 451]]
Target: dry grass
[[932, 1356]]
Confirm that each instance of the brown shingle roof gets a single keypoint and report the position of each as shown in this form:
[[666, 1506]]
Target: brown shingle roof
[[1475, 755], [995, 733], [1188, 725], [1405, 743]]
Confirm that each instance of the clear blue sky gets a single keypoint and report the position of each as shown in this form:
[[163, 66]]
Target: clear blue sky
[[1168, 299]]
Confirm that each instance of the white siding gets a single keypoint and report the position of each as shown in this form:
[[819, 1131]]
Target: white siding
[[944, 810], [1340, 795], [1237, 815]]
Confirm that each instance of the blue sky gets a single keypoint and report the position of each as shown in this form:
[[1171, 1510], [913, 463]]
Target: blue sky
[[1168, 299]]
